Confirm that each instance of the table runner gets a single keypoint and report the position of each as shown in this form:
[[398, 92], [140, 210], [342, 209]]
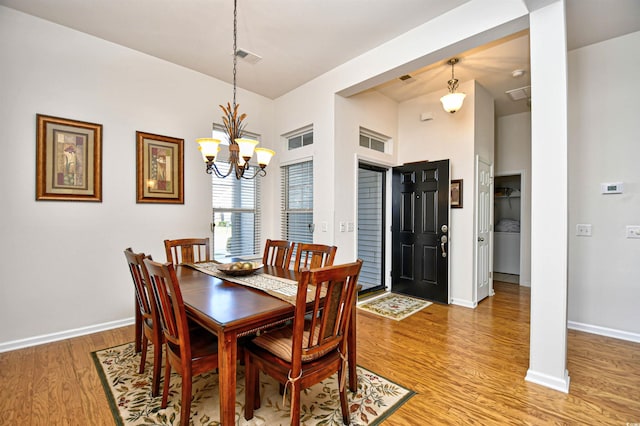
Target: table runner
[[282, 288]]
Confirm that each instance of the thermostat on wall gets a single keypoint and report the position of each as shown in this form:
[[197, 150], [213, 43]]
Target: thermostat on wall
[[611, 188]]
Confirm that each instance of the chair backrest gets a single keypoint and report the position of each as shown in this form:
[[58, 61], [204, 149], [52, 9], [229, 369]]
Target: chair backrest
[[168, 297], [334, 289], [187, 250], [146, 304], [277, 253], [313, 256]]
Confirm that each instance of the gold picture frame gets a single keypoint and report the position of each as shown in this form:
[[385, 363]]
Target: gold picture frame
[[456, 193], [159, 171], [68, 159]]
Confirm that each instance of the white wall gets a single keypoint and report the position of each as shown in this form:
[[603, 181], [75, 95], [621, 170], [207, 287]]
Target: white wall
[[64, 260], [513, 155], [604, 288]]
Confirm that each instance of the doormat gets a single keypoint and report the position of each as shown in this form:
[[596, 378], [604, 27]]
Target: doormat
[[129, 395], [394, 306]]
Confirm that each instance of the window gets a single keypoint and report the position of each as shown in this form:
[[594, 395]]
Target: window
[[372, 140], [236, 212], [300, 138], [297, 202]]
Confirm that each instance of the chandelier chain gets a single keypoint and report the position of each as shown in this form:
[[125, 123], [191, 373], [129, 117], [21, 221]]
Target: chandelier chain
[[235, 47]]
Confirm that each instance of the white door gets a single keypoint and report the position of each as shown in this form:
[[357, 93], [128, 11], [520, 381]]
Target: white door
[[483, 250]]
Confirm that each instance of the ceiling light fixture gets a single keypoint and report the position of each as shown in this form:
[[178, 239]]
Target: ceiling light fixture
[[240, 150], [452, 102]]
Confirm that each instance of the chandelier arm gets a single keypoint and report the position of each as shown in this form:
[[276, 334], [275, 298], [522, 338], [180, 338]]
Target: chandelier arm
[[259, 171]]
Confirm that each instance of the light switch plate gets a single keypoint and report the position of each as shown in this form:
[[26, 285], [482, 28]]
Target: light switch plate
[[583, 230], [633, 231]]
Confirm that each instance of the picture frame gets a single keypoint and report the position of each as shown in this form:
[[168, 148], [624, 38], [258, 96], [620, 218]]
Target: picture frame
[[456, 193], [68, 159], [159, 169]]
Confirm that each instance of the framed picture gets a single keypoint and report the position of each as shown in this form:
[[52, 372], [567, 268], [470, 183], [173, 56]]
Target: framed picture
[[456, 193], [160, 176], [68, 159]]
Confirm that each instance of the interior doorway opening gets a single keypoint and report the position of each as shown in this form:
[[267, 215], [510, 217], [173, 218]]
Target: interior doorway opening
[[506, 235], [371, 225]]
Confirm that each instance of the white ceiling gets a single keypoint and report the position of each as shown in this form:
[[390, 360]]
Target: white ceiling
[[299, 40]]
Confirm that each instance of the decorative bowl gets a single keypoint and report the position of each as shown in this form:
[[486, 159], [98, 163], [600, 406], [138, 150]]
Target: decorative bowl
[[239, 268]]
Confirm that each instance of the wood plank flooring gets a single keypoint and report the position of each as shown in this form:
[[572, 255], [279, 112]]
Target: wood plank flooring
[[467, 367]]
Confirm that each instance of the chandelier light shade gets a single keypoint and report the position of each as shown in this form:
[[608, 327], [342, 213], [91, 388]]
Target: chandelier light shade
[[452, 101], [241, 150]]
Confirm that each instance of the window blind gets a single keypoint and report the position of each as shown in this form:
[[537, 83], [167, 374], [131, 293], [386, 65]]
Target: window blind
[[297, 202], [236, 215]]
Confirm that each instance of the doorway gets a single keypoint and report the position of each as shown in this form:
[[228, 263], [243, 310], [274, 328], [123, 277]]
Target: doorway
[[506, 235], [420, 230], [371, 226]]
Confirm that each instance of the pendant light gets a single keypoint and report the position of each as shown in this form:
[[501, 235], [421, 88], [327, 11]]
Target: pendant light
[[452, 101]]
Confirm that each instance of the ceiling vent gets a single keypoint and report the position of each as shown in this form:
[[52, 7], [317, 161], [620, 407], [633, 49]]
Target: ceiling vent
[[406, 79], [519, 93], [247, 56]]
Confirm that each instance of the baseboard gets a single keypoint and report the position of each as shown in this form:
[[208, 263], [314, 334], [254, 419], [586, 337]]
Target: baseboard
[[603, 331], [464, 303], [559, 384], [54, 337]]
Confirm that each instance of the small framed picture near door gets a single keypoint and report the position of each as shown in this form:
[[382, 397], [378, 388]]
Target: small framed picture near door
[[159, 171], [68, 159], [456, 193]]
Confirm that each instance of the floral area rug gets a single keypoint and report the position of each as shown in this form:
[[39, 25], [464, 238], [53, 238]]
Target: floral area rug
[[394, 306], [129, 395]]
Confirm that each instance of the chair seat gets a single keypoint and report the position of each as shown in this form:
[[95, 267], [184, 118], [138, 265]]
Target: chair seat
[[279, 342]]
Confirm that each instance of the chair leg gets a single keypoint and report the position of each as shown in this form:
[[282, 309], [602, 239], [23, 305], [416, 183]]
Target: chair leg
[[344, 405], [249, 387], [138, 328], [295, 404], [157, 366], [143, 356], [167, 379], [185, 408]]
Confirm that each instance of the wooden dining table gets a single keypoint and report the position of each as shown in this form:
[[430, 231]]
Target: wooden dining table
[[232, 311]]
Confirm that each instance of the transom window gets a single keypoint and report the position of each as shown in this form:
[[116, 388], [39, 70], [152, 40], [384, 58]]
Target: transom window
[[373, 140], [300, 138]]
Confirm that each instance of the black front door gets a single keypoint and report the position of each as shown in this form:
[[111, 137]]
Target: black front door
[[420, 230]]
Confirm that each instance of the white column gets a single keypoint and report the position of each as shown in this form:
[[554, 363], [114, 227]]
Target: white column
[[548, 338]]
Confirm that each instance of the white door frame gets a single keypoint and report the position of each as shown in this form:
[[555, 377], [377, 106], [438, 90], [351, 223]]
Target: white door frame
[[478, 215]]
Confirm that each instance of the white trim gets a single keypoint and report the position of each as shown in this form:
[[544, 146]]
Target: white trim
[[62, 335], [559, 384], [464, 303], [604, 331]]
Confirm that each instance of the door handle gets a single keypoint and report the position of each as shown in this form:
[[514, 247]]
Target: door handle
[[480, 239], [443, 241]]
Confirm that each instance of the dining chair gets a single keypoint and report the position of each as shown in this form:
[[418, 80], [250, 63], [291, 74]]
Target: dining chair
[[306, 352], [277, 253], [190, 349], [148, 328], [187, 250], [312, 256]]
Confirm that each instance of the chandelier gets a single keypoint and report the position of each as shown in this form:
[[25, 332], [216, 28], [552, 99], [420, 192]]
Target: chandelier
[[452, 102], [240, 149]]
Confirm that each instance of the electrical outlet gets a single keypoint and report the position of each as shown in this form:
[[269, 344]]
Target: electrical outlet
[[583, 230], [633, 231]]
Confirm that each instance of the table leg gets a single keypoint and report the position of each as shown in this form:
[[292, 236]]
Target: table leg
[[227, 355], [351, 347]]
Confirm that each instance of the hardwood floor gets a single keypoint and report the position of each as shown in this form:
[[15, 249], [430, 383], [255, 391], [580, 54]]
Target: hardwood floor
[[466, 367]]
